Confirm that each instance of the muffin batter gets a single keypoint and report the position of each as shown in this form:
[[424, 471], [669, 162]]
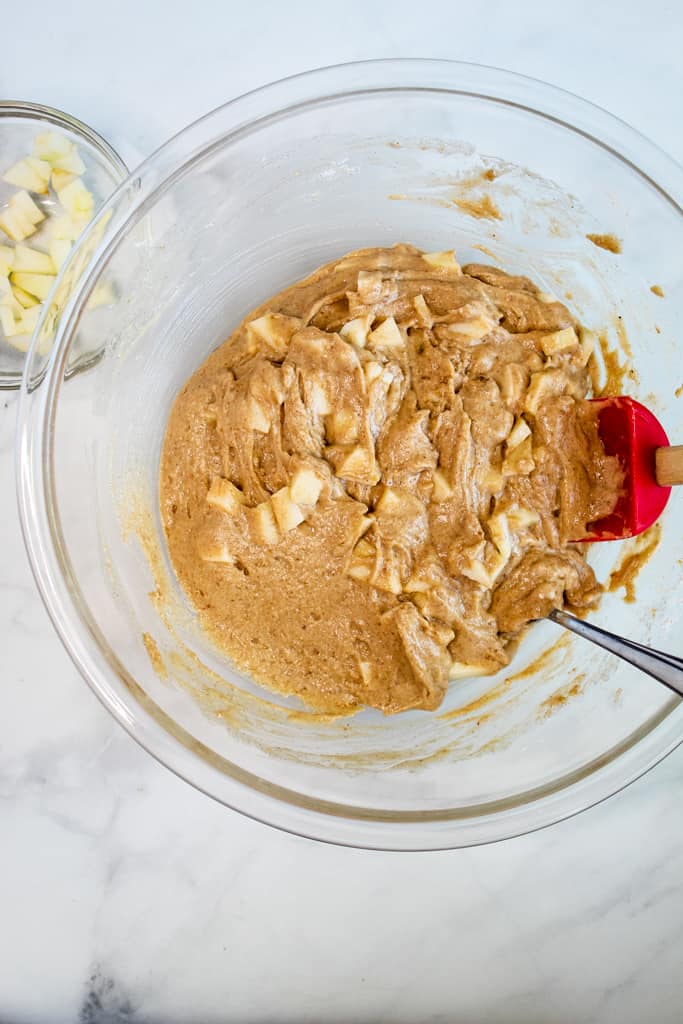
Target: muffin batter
[[373, 485]]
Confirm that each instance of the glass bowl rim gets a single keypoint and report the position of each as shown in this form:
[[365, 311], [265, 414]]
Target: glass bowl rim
[[148, 725]]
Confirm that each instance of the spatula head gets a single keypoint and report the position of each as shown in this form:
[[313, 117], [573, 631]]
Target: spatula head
[[630, 431]]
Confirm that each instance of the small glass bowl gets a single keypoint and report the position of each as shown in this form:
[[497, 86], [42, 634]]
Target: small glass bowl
[[244, 201], [19, 125]]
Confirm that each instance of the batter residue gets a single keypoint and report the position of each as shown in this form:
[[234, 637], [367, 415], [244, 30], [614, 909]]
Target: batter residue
[[375, 483]]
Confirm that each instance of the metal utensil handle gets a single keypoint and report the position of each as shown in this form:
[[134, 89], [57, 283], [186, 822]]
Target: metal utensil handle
[[667, 668]]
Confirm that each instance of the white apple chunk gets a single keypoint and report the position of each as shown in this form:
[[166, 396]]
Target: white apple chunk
[[519, 432], [387, 336], [463, 670], [25, 300], [559, 341], [287, 513], [22, 175], [7, 321], [32, 261], [40, 167], [71, 163], [520, 517], [52, 146], [8, 299], [263, 520], [306, 486], [14, 225], [59, 249], [216, 551], [6, 260], [60, 179], [66, 228], [76, 199], [441, 489], [22, 202], [356, 331], [35, 284], [224, 495], [442, 261]]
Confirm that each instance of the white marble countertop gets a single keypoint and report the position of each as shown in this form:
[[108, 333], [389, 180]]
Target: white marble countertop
[[127, 896]]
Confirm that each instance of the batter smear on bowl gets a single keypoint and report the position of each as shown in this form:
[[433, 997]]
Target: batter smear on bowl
[[374, 484]]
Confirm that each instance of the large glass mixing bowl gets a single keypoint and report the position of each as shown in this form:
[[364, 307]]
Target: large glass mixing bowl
[[243, 202]]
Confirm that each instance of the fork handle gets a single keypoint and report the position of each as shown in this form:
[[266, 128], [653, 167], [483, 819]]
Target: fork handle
[[667, 668], [669, 465]]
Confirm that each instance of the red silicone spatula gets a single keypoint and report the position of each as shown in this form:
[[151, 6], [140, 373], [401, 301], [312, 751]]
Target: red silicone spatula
[[651, 465]]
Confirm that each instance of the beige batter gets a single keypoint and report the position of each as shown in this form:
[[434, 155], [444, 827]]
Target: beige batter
[[372, 486]]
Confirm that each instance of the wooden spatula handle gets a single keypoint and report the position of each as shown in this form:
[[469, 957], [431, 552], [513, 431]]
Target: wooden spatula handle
[[669, 465]]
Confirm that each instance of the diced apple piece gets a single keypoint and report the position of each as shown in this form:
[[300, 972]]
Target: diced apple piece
[[356, 331], [265, 527], [491, 479], [32, 261], [519, 517], [66, 228], [59, 249], [25, 300], [6, 260], [215, 551], [306, 486], [544, 384], [316, 398], [388, 578], [423, 311], [7, 321], [359, 465], [520, 430], [51, 146], [70, 162], [22, 202], [363, 558], [102, 295], [513, 383], [287, 513], [274, 330], [463, 670], [359, 571], [499, 529], [60, 179], [476, 572], [387, 335], [15, 224], [76, 199], [559, 341], [8, 299], [28, 320], [441, 489], [369, 285], [372, 371], [443, 261], [22, 175], [224, 495], [342, 427], [256, 417], [40, 167], [389, 502], [35, 284], [519, 461], [474, 330]]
